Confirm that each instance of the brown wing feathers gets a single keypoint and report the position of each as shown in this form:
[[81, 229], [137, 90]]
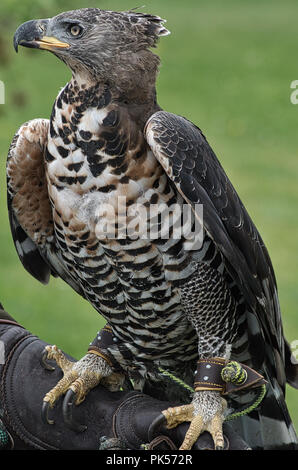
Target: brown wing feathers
[[28, 202]]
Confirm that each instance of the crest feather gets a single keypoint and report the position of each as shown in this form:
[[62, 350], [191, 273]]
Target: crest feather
[[155, 24]]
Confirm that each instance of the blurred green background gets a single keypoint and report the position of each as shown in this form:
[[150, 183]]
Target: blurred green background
[[227, 66]]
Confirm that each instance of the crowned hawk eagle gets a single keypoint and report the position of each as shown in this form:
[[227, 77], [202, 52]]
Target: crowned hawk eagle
[[171, 303]]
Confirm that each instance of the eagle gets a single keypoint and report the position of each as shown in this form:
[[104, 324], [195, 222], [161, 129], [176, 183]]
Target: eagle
[[97, 195]]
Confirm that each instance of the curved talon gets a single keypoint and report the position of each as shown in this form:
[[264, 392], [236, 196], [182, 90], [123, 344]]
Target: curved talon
[[67, 409], [156, 425], [43, 361], [45, 413]]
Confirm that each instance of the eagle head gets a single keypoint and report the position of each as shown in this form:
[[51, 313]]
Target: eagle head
[[95, 42]]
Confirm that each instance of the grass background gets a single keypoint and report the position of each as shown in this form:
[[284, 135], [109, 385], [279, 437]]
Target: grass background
[[227, 66]]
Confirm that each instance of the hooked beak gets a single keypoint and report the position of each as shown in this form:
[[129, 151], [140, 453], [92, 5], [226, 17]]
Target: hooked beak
[[32, 34]]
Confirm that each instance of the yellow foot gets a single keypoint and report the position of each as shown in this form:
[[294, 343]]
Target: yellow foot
[[78, 379], [180, 414], [208, 419]]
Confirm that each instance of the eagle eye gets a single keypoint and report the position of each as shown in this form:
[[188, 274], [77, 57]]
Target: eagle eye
[[75, 30]]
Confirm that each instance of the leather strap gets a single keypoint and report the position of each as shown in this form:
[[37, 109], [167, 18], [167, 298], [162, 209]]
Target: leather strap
[[161, 443], [101, 342], [253, 379], [5, 318], [98, 352], [208, 375], [9, 322], [218, 374]]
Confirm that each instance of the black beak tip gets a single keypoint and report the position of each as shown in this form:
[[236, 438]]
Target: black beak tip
[[16, 45], [16, 40], [28, 32]]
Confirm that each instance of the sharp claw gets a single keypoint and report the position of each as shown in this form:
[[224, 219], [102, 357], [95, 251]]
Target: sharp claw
[[156, 425], [222, 446], [43, 361], [67, 409], [45, 413]]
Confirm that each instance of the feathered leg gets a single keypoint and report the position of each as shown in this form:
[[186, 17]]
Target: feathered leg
[[210, 307]]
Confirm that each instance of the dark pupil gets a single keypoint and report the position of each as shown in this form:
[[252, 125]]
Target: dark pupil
[[75, 30]]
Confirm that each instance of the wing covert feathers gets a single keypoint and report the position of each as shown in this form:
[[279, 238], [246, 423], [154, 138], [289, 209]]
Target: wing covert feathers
[[27, 196], [190, 163]]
